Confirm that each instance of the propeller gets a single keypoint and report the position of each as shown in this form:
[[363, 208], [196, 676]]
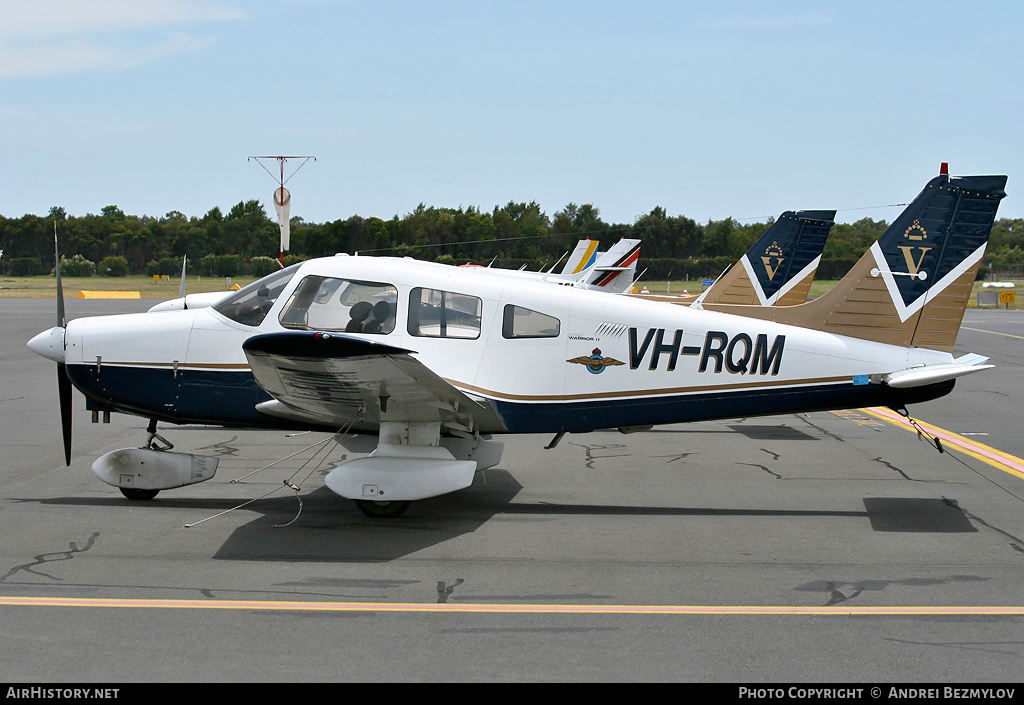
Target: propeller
[[64, 391], [63, 381]]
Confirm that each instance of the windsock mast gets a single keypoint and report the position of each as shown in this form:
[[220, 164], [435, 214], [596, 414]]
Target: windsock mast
[[282, 198]]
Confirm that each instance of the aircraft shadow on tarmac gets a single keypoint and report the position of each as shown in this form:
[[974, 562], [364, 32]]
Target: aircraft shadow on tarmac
[[758, 433], [330, 529]]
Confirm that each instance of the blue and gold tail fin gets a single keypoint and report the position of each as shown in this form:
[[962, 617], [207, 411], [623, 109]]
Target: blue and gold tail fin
[[912, 286], [779, 268]]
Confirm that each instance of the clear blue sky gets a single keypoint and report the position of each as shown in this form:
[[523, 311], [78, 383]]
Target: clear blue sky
[[710, 110]]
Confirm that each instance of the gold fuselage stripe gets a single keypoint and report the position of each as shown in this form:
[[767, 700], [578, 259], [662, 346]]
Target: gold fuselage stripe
[[647, 392], [226, 366]]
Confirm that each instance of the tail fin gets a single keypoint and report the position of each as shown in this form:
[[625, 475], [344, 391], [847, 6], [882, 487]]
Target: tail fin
[[779, 268], [615, 269], [585, 255], [912, 286]]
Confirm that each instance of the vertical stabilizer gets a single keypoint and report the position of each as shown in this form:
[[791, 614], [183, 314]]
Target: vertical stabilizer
[[583, 256], [912, 286], [779, 268], [614, 270]]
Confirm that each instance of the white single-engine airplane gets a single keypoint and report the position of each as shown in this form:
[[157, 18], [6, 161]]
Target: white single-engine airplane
[[434, 359]]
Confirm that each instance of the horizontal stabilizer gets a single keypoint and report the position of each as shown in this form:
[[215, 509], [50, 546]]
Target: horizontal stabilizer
[[932, 374]]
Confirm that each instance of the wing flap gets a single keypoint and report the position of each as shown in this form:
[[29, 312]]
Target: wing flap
[[335, 379]]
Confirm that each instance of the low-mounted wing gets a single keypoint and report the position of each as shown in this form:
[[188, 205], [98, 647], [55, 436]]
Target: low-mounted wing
[[330, 379]]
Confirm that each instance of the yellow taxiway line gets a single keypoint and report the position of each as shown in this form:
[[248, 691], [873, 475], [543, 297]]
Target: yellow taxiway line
[[1010, 464], [1003, 461], [993, 332], [519, 608]]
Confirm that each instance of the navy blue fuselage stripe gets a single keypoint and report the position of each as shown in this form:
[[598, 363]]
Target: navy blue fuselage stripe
[[191, 396], [230, 398], [586, 416]]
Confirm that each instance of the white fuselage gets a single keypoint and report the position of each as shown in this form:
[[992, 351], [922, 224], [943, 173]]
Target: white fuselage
[[649, 362]]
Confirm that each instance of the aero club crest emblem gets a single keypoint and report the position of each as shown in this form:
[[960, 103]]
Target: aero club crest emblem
[[596, 363]]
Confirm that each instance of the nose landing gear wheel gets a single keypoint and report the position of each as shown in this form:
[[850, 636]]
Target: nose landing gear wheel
[[138, 495], [382, 510]]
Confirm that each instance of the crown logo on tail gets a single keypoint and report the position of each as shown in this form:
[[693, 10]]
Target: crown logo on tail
[[916, 232], [772, 251]]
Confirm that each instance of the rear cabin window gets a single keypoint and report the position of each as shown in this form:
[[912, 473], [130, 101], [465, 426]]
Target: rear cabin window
[[328, 303], [444, 314], [519, 322]]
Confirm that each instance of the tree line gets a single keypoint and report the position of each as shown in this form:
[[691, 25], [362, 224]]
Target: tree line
[[245, 240]]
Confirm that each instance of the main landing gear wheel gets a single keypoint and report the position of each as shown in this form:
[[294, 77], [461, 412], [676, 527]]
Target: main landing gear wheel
[[139, 495], [382, 510]]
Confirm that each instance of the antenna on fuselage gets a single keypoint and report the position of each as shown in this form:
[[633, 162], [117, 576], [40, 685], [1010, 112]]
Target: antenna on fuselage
[[553, 266], [181, 289], [282, 198], [633, 283]]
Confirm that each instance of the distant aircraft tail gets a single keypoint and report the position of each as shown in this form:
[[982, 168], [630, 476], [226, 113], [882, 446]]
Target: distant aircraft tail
[[779, 268], [614, 270], [912, 286], [585, 255]]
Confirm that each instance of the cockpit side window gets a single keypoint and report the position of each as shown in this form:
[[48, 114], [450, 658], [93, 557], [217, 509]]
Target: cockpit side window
[[519, 322], [251, 304], [443, 314], [328, 303]]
